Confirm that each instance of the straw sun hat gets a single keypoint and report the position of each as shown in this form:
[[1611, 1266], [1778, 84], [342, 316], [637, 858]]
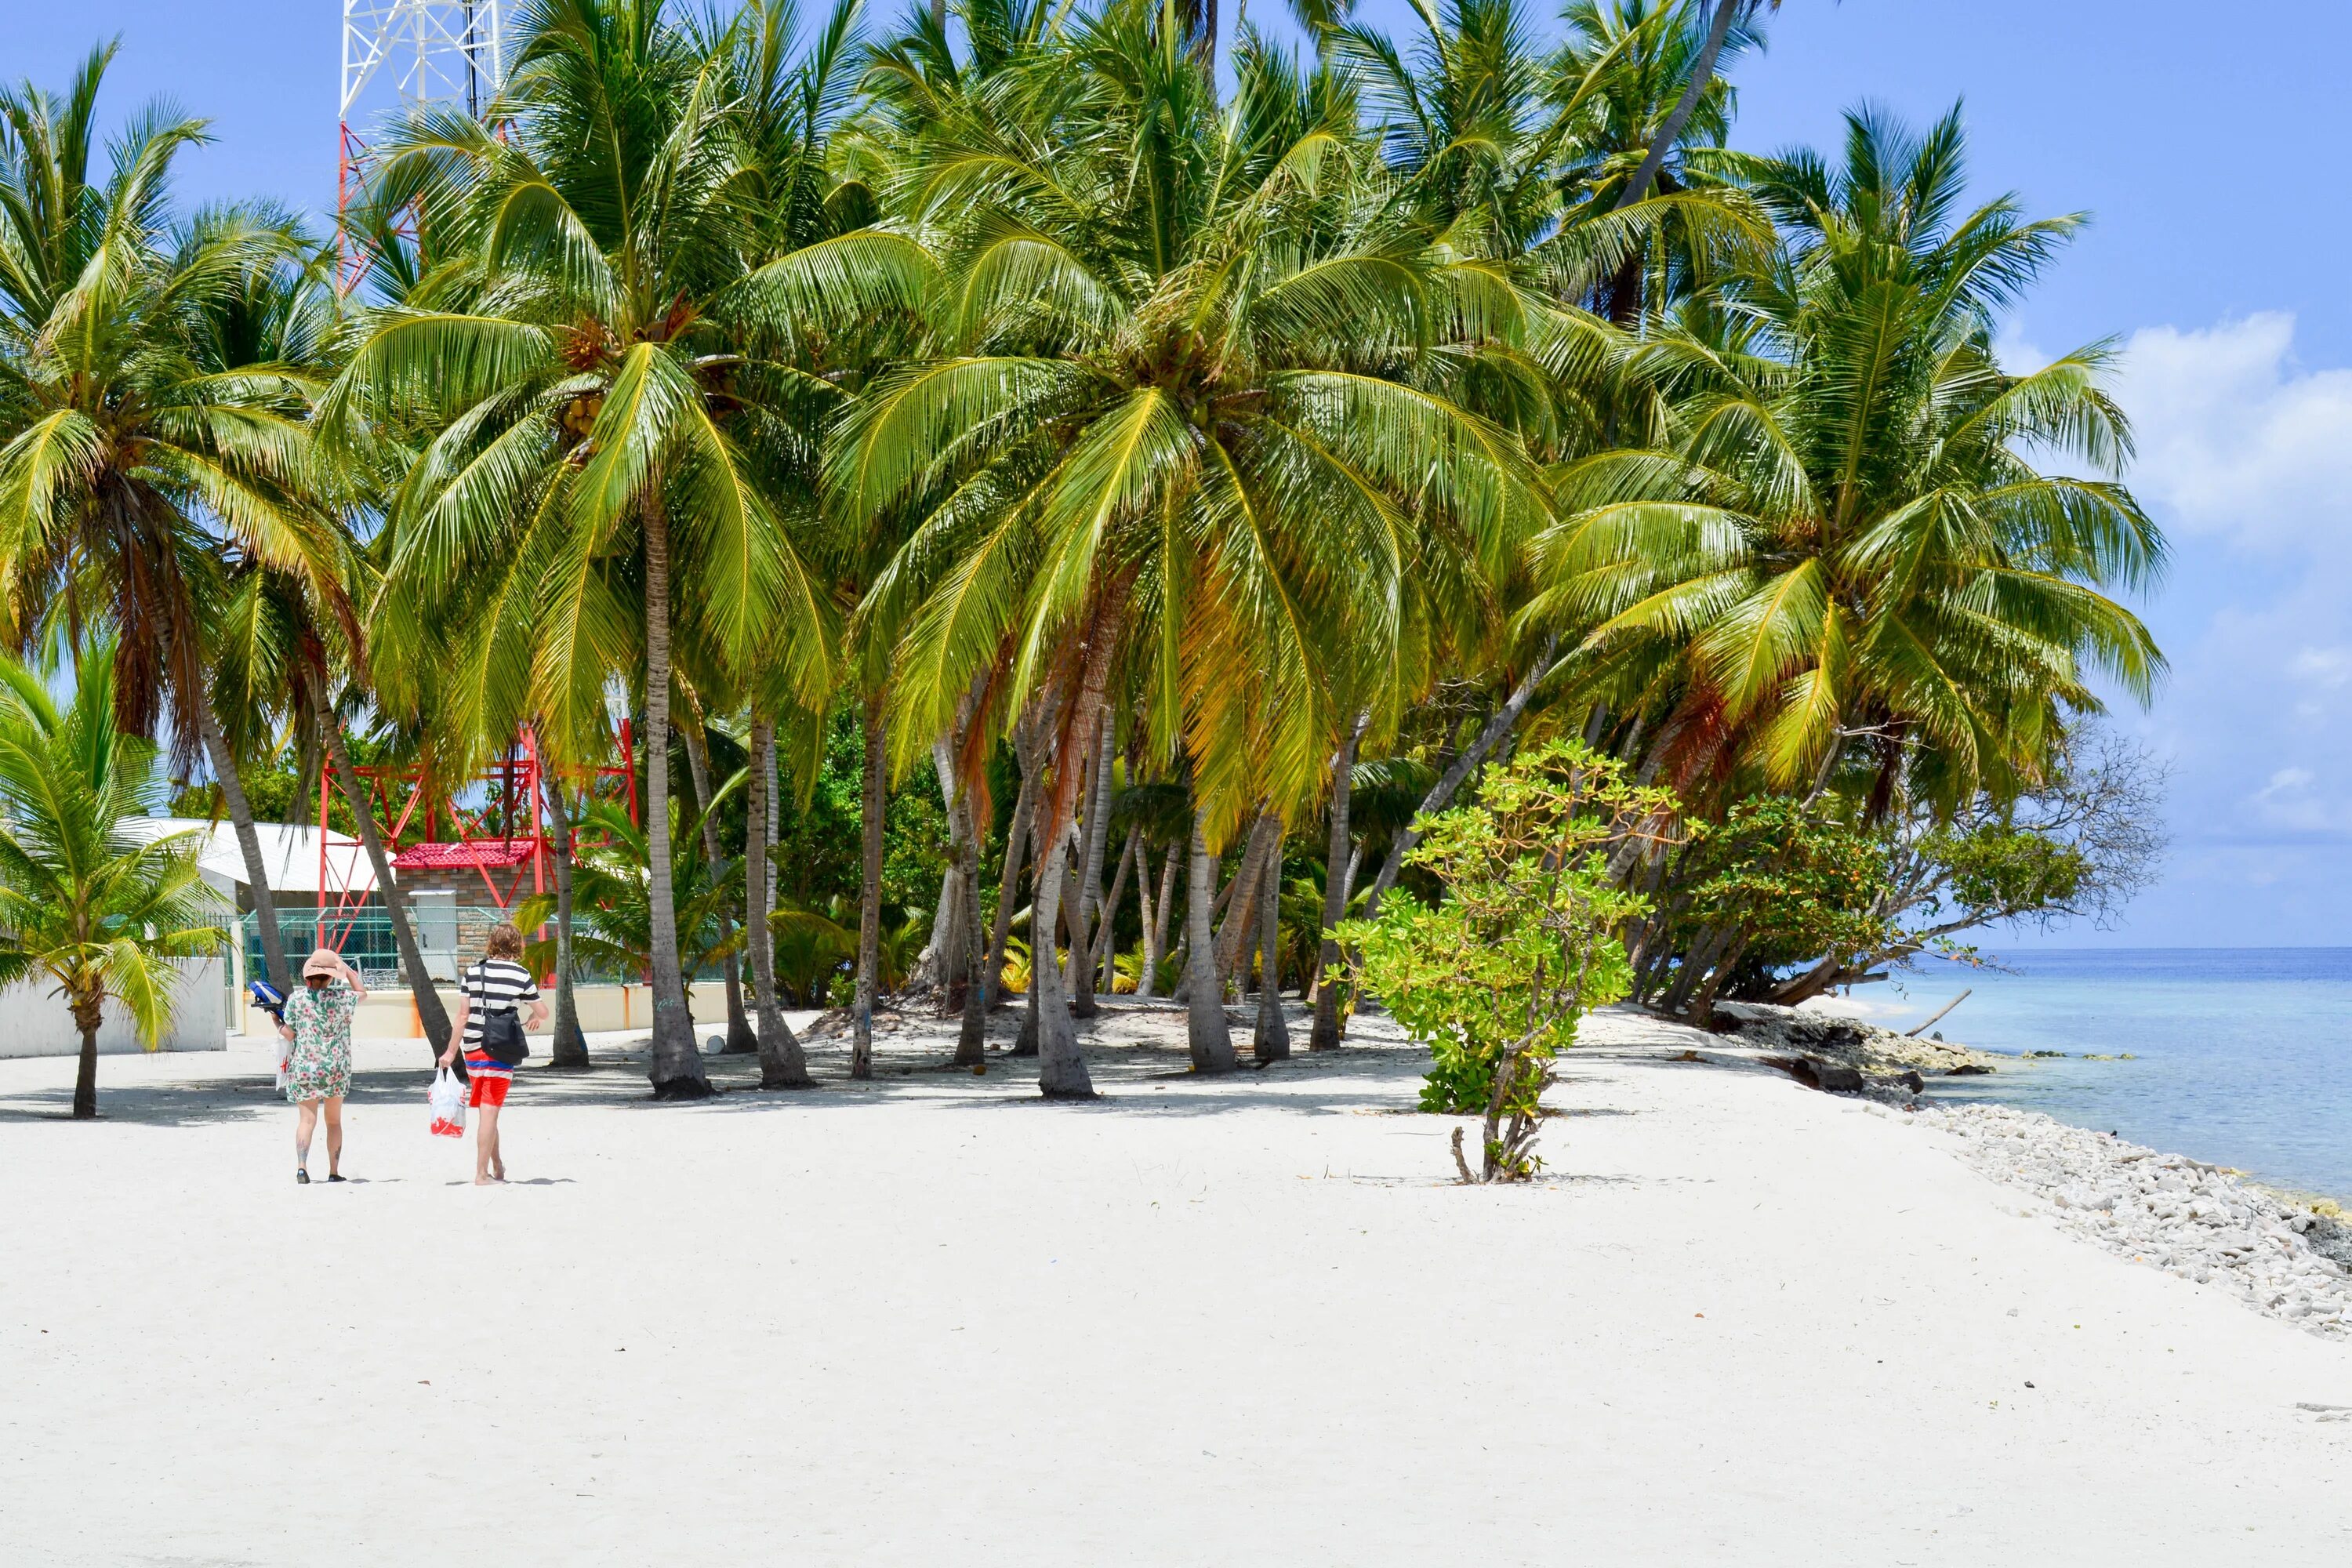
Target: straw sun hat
[[325, 961]]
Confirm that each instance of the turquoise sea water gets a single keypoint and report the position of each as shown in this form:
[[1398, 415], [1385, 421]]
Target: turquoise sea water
[[2244, 1054]]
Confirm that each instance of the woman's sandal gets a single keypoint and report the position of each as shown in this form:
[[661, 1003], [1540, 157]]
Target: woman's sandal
[[334, 1177], [302, 1176]]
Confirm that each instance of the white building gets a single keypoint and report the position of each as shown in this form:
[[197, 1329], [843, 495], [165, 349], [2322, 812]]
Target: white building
[[33, 1021]]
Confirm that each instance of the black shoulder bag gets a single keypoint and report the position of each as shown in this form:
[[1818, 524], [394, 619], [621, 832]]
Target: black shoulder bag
[[503, 1040]]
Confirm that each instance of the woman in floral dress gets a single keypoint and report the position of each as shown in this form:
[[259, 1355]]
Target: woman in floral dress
[[319, 1062]]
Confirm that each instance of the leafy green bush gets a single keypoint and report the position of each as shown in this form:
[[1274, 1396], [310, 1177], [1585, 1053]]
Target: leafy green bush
[[1493, 977]]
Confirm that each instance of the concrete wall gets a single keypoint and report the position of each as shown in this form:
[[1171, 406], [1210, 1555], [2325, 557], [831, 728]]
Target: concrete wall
[[391, 1014], [33, 1021]]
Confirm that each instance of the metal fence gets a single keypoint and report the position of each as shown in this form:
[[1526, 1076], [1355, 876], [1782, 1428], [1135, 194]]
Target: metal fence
[[448, 935]]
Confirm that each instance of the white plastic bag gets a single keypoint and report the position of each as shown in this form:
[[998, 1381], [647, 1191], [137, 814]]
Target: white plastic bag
[[284, 1066], [447, 1098]]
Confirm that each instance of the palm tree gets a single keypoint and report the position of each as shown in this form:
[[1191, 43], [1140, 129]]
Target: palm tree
[[1843, 549], [1178, 432], [1626, 69], [600, 420], [740, 1041], [142, 438], [1463, 116], [281, 667], [815, 207], [102, 912], [1696, 87]]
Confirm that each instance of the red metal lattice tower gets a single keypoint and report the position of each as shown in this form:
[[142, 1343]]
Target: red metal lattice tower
[[448, 835]]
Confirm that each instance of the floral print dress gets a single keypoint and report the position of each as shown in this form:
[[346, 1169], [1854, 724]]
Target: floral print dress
[[318, 1063]]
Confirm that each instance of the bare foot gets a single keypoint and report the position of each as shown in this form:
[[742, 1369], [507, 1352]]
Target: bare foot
[[483, 1182]]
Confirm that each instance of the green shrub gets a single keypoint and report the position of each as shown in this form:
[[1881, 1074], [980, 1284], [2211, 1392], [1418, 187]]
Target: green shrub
[[1493, 977]]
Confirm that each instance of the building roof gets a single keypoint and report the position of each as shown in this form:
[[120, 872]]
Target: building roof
[[494, 854], [290, 853]]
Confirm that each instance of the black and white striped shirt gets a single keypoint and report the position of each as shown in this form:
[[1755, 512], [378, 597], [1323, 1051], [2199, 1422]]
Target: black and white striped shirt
[[498, 984]]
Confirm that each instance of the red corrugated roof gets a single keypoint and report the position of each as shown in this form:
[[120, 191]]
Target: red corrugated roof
[[492, 854]]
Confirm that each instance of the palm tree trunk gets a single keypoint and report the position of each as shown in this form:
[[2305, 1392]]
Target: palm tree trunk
[[971, 1038], [1155, 947], [775, 822], [677, 1065], [1016, 846], [570, 1047], [740, 1041], [1061, 1069], [1205, 1032], [1701, 73], [249, 842], [431, 1016], [942, 963], [1144, 982], [1441, 792], [1106, 929], [1082, 969], [1890, 773], [1239, 931], [1338, 861], [1272, 1041], [782, 1063], [85, 1095], [872, 803]]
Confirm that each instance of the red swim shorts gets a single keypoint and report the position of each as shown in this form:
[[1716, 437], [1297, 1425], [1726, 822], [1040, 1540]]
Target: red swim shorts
[[490, 1082]]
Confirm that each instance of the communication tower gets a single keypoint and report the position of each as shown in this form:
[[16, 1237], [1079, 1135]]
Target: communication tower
[[401, 55]]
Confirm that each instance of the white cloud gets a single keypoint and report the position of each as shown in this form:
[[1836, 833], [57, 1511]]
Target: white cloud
[[2326, 668], [2293, 800], [2236, 438]]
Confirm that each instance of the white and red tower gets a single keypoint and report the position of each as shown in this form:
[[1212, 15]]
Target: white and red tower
[[401, 55]]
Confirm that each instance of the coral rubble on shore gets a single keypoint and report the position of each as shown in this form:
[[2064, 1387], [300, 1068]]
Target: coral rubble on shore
[[2189, 1218]]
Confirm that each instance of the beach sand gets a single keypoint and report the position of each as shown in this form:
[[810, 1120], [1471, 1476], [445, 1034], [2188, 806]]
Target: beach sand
[[937, 1320]]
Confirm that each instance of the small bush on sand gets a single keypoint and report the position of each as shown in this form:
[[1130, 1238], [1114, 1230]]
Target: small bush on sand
[[1494, 978]]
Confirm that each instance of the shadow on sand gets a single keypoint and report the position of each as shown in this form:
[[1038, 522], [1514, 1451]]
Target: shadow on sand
[[1135, 1053]]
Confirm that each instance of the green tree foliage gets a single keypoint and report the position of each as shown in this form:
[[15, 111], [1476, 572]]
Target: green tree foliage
[[1295, 430], [1843, 548], [1772, 882], [1494, 977], [817, 842], [612, 881], [84, 900]]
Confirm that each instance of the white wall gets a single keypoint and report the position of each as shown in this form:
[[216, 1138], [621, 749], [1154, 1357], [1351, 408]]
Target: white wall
[[33, 1021]]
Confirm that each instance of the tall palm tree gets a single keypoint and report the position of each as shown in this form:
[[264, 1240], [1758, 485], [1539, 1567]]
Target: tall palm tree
[[143, 437], [282, 668], [102, 912], [1843, 551], [1178, 429], [586, 369], [1625, 69], [1696, 87], [1463, 116]]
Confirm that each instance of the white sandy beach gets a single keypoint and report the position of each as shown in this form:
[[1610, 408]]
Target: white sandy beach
[[936, 1321]]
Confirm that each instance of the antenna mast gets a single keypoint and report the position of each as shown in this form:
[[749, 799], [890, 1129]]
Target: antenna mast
[[401, 55]]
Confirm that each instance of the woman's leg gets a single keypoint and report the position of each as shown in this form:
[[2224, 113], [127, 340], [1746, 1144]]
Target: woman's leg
[[486, 1142], [306, 1120], [335, 1135]]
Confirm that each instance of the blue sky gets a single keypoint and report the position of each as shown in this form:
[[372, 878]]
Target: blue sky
[[2188, 131]]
